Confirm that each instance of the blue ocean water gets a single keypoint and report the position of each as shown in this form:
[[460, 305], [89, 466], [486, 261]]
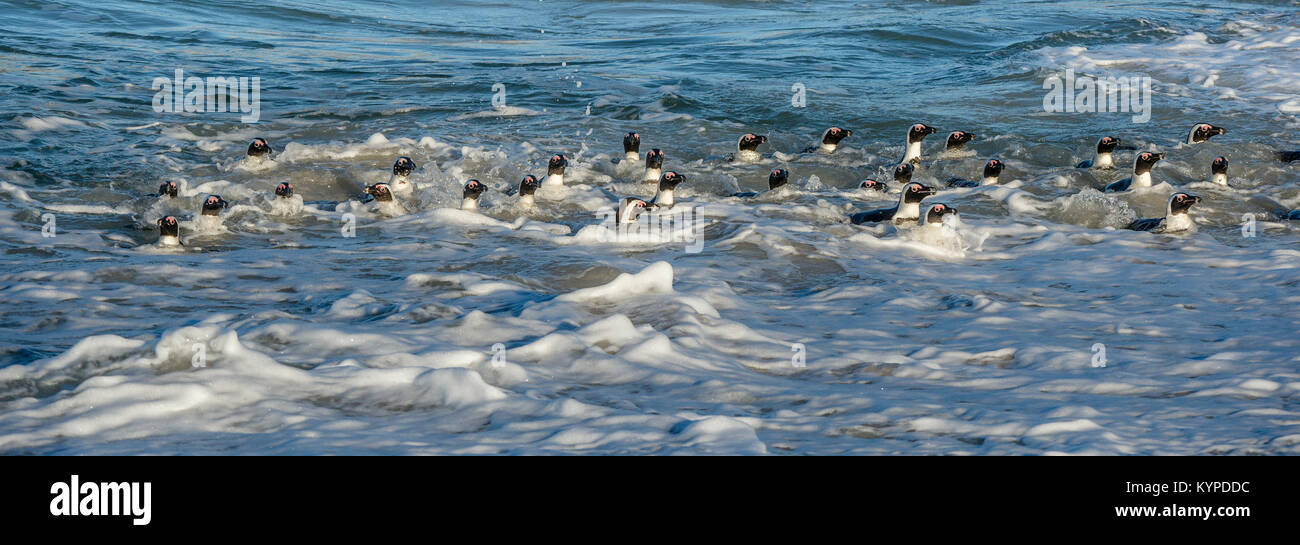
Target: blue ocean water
[[981, 342]]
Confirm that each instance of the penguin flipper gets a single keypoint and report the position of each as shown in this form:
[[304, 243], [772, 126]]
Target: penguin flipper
[[1145, 224], [958, 182], [1288, 156], [872, 216], [1121, 185], [745, 194], [1085, 164]]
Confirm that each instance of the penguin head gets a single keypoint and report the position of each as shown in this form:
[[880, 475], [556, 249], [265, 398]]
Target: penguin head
[[935, 213], [903, 173], [631, 142], [914, 192], [834, 135], [750, 142], [169, 227], [993, 168], [1144, 161], [1180, 203], [632, 208], [957, 139], [1107, 144], [473, 189], [1203, 131], [404, 166], [528, 185], [381, 192], [213, 205], [1220, 165], [654, 159], [778, 178], [919, 131], [874, 185], [284, 190], [258, 147], [557, 164], [168, 189], [669, 180]]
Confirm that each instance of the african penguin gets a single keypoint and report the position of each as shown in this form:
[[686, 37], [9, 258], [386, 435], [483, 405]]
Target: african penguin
[[1176, 216], [746, 148], [992, 170], [527, 188], [667, 183], [1141, 173], [934, 214], [1219, 171], [629, 210], [167, 189], [775, 179], [908, 208], [831, 139], [1104, 159], [632, 147], [555, 171], [957, 140], [213, 205], [1202, 132], [169, 232], [284, 190], [259, 148], [654, 163], [469, 197], [915, 134]]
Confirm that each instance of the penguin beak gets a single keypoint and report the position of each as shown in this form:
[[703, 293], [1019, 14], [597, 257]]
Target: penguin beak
[[1218, 130]]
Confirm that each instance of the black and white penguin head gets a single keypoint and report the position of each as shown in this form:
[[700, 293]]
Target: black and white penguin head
[[669, 180], [957, 139], [284, 190], [168, 189], [630, 209], [528, 186], [473, 189], [935, 213], [778, 178], [1107, 144], [919, 131], [169, 227], [404, 166], [993, 168], [916, 192], [903, 173], [654, 159], [213, 205], [258, 147], [631, 143], [1180, 203], [750, 142], [834, 135], [874, 185], [1219, 166], [556, 165], [1144, 161], [1202, 132], [381, 192]]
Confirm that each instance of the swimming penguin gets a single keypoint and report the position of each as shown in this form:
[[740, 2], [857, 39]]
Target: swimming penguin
[[1288, 156], [169, 232], [401, 183], [903, 173], [746, 148], [874, 185], [555, 171], [629, 210], [284, 190], [1219, 171], [259, 148], [1104, 159], [1176, 216], [934, 214], [213, 205], [915, 134], [908, 208], [777, 178], [992, 170], [957, 140], [632, 147], [1202, 132], [831, 139], [167, 189], [654, 162], [667, 183], [527, 187], [379, 192], [469, 197], [1141, 172]]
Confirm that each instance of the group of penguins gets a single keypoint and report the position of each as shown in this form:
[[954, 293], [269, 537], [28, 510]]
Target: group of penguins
[[907, 212]]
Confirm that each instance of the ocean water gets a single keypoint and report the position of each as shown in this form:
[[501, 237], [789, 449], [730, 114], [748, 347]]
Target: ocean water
[[1034, 324]]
